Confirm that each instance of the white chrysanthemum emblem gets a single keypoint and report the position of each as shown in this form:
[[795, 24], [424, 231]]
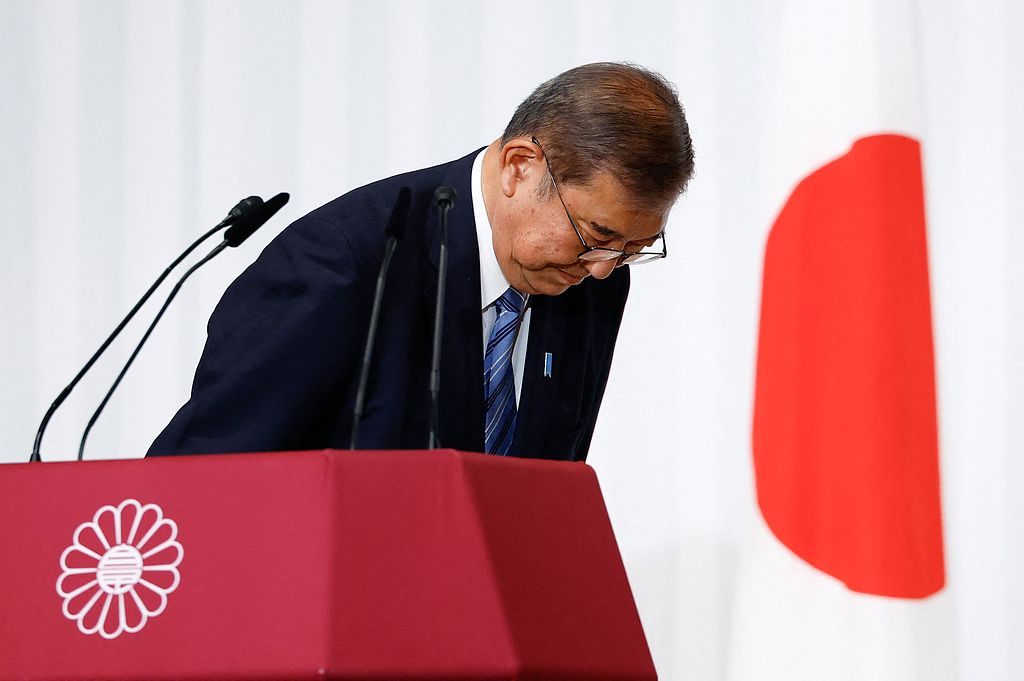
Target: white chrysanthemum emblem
[[119, 569]]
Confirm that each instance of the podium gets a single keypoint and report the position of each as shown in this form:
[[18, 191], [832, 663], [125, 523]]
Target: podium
[[313, 565]]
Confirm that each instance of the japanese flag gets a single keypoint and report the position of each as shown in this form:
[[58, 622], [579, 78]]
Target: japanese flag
[[843, 573]]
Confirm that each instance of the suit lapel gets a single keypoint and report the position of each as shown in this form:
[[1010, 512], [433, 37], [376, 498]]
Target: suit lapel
[[539, 404]]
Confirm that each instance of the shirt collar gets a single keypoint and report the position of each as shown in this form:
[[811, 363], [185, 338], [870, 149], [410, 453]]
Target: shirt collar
[[492, 281]]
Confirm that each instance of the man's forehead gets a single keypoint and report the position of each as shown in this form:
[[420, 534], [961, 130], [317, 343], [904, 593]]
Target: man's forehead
[[611, 212]]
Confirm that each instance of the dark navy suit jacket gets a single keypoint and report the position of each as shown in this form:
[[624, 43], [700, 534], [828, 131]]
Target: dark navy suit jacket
[[282, 358]]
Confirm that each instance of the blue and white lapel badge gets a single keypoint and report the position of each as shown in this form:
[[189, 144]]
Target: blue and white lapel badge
[[548, 362]]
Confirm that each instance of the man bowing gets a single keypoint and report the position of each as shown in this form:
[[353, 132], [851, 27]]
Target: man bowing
[[550, 218]]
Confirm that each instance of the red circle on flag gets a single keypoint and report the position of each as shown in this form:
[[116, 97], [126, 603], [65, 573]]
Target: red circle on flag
[[844, 434]]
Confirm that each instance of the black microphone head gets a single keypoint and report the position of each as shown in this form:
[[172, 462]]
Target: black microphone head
[[244, 206], [396, 223], [253, 219], [444, 195]]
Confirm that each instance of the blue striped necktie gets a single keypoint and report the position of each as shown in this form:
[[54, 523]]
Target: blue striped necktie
[[499, 386]]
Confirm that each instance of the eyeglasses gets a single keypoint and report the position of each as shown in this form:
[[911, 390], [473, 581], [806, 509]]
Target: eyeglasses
[[600, 253]]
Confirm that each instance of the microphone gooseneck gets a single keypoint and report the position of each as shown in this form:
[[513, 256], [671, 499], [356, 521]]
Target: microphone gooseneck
[[444, 201], [394, 232], [245, 223], [241, 211]]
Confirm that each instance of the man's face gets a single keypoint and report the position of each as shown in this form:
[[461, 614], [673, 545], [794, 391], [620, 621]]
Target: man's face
[[535, 243]]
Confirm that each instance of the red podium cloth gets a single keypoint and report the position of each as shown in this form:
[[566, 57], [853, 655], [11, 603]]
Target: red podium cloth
[[313, 565]]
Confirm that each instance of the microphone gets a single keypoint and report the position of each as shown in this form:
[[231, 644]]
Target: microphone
[[241, 212], [394, 231], [241, 209], [248, 221], [444, 201], [445, 196]]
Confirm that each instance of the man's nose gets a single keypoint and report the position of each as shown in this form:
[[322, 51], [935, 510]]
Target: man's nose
[[601, 269]]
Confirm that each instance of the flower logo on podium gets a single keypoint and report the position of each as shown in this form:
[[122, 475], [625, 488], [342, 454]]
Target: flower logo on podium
[[119, 569]]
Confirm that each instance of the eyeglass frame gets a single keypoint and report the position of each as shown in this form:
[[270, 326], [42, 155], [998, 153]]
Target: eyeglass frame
[[587, 248]]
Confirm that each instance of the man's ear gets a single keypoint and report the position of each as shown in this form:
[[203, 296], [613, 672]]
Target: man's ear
[[518, 160]]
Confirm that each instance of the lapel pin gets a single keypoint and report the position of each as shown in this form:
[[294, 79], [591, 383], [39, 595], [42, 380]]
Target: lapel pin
[[547, 364]]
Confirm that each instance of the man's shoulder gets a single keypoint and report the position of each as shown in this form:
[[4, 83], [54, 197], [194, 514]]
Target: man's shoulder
[[356, 221], [378, 198]]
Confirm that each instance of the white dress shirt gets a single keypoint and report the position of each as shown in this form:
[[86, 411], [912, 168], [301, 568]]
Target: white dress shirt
[[492, 282]]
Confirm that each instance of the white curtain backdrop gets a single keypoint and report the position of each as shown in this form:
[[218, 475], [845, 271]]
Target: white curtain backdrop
[[128, 128]]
